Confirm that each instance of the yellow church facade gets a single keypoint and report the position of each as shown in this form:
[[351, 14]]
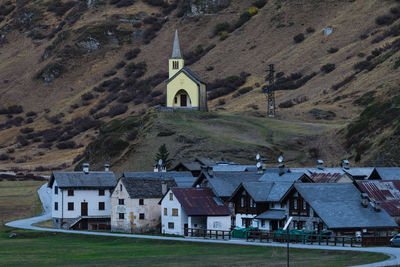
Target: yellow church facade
[[185, 90]]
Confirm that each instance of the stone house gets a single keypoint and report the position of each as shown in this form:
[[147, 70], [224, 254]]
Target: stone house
[[82, 200], [134, 204], [193, 208]]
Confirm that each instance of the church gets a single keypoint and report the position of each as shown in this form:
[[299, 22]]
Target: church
[[185, 90]]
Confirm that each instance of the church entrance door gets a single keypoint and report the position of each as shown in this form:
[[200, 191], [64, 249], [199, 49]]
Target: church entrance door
[[183, 100]]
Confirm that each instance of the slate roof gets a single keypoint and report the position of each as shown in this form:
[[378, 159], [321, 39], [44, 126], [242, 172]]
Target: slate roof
[[200, 202], [389, 173], [234, 168], [339, 206], [286, 177], [190, 165], [146, 187], [182, 179], [326, 177], [206, 161], [83, 180], [363, 172], [225, 183], [176, 50], [267, 191], [193, 76], [387, 192], [272, 215]]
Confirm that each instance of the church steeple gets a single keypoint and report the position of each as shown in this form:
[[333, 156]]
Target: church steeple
[[176, 50], [176, 61]]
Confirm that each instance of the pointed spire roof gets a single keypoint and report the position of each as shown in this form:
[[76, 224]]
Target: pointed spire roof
[[176, 50]]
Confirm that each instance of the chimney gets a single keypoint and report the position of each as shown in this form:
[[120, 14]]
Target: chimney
[[164, 187], [320, 164], [163, 168], [364, 200], [155, 168], [259, 167], [106, 167], [377, 206], [281, 169], [346, 164], [85, 167]]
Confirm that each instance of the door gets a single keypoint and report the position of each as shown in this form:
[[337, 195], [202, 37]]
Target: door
[[84, 209], [183, 100], [274, 225], [185, 229]]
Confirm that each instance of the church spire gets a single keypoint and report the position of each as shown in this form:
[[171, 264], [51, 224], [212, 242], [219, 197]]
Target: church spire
[[176, 50]]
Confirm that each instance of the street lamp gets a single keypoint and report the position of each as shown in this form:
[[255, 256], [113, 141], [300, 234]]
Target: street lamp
[[286, 227]]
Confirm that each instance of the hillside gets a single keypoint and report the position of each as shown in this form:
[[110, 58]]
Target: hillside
[[68, 67]]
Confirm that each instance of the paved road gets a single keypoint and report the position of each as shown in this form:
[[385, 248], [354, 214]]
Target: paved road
[[393, 252]]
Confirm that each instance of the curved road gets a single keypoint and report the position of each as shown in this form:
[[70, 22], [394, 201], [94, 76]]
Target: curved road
[[27, 224]]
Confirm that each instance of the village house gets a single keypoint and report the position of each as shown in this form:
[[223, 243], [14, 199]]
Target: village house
[[82, 199], [193, 208], [388, 173], [338, 207], [134, 204], [259, 204]]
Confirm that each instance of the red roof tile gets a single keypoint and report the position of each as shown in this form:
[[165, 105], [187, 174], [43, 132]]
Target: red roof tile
[[326, 177], [200, 202]]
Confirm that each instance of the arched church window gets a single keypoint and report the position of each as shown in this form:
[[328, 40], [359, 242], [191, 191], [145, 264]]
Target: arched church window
[[175, 65], [175, 100]]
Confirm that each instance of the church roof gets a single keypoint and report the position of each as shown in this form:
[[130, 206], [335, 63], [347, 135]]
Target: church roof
[[176, 50], [193, 76]]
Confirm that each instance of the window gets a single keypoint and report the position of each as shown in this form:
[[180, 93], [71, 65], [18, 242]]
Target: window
[[171, 196], [262, 223], [121, 216], [175, 65], [121, 201], [101, 206], [217, 225], [55, 205], [242, 202], [175, 100], [272, 205], [56, 190], [120, 187], [295, 204], [141, 216], [70, 205], [165, 212], [70, 192], [315, 226], [174, 212], [141, 201], [170, 225], [304, 205], [101, 192]]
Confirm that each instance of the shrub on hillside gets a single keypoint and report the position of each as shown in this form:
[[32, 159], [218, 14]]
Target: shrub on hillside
[[333, 50], [344, 82], [14, 109], [26, 130], [124, 3], [286, 104], [328, 67], [259, 3], [120, 65], [244, 17], [110, 73], [117, 110], [220, 27], [60, 8], [299, 38], [87, 96], [384, 20], [66, 145], [150, 33], [310, 30], [131, 54], [31, 114], [135, 70]]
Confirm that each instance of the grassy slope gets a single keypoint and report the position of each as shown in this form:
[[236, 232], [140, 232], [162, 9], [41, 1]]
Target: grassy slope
[[61, 249], [19, 199]]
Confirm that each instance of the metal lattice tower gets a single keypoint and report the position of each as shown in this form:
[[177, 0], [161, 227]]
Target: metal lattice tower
[[270, 92]]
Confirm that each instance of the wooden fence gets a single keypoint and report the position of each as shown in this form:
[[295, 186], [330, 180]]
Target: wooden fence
[[205, 233]]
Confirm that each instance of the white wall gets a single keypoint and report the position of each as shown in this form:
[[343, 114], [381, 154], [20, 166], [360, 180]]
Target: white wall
[[91, 196], [239, 216], [219, 223], [179, 221]]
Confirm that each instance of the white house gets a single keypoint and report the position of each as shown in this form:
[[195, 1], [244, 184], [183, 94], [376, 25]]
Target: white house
[[135, 204], [196, 208], [82, 200]]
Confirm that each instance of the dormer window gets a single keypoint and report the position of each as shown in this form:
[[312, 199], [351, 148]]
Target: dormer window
[[175, 65]]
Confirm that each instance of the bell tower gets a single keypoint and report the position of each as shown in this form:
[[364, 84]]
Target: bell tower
[[176, 61]]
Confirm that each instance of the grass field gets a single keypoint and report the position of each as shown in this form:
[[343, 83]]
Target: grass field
[[19, 199], [42, 248]]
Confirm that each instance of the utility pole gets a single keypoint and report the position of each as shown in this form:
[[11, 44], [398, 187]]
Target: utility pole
[[270, 92]]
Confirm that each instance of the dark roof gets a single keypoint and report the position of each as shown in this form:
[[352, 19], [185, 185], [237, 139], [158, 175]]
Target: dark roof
[[206, 161], [389, 173], [360, 172], [267, 191], [286, 177], [83, 180], [272, 215], [339, 206], [193, 76], [190, 165], [326, 177], [185, 181], [387, 192], [146, 187], [225, 183], [160, 175], [234, 168], [200, 202]]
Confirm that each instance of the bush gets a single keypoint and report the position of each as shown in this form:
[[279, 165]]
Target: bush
[[360, 66], [60, 8], [117, 110], [26, 130], [87, 96], [259, 3], [4, 157], [120, 65], [299, 38], [223, 36], [397, 63], [66, 145], [328, 67], [150, 33], [110, 73], [286, 104], [384, 20], [220, 27], [246, 16], [31, 114], [333, 50], [344, 82], [310, 30], [131, 54], [124, 3], [135, 70], [14, 109], [365, 99]]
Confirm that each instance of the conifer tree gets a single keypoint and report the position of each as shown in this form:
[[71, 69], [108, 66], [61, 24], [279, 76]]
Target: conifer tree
[[163, 154]]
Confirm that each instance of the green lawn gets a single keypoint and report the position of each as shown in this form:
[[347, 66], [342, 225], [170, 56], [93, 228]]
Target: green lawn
[[42, 248]]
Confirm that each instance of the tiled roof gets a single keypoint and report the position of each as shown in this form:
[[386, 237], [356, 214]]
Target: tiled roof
[[200, 202], [387, 192], [339, 206], [146, 187], [83, 180]]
